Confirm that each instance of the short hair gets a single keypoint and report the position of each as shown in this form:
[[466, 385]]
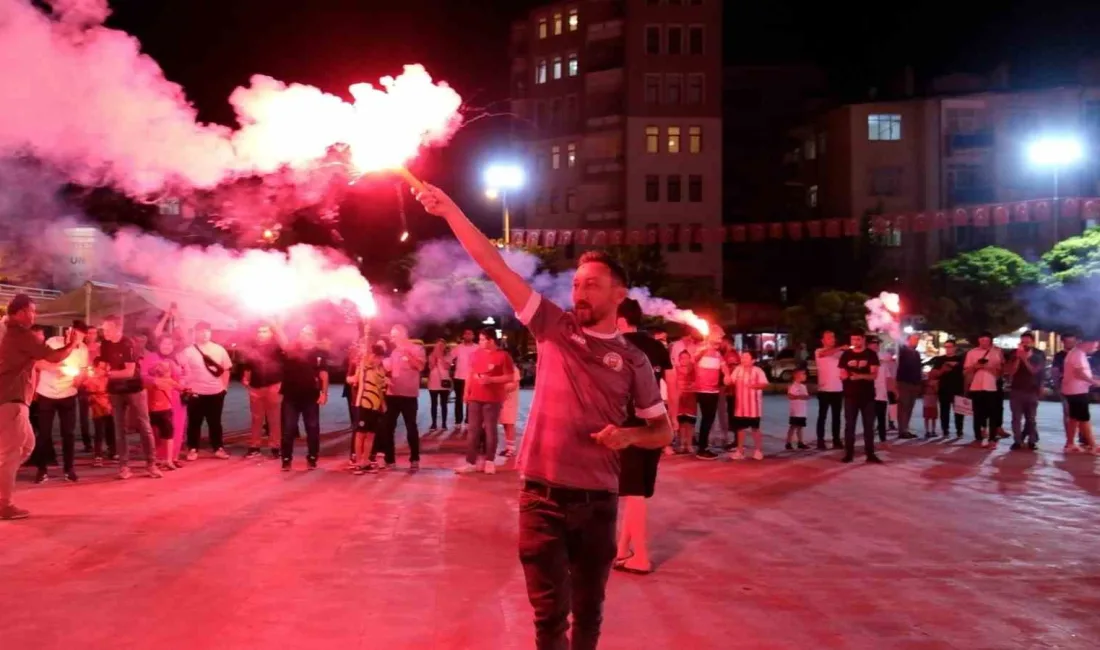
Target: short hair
[[751, 353], [18, 303], [111, 318], [985, 334], [951, 342], [1030, 335], [857, 332], [489, 333], [630, 310], [202, 326], [618, 273], [80, 326], [1069, 335]]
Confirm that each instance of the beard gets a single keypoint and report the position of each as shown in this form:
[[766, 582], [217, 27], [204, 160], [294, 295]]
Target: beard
[[586, 315]]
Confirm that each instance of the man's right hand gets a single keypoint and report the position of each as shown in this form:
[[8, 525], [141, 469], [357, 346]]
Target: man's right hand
[[436, 201]]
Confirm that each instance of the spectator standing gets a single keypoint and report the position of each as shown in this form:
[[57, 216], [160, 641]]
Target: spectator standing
[[909, 382], [439, 383], [462, 355], [264, 366], [206, 367], [947, 369], [404, 365], [491, 369], [129, 403], [57, 387], [858, 368], [304, 390], [830, 389], [982, 368], [1025, 370]]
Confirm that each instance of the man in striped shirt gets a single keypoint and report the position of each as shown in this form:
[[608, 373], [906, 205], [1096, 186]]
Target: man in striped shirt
[[747, 383], [587, 376]]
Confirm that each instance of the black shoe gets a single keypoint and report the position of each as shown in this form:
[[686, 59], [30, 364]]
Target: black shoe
[[706, 454], [253, 452], [874, 460], [311, 463], [958, 434], [71, 476], [838, 444], [275, 453], [286, 464], [929, 435], [1016, 446], [821, 445], [790, 447], [1032, 446], [41, 477], [847, 459], [907, 435], [803, 445]]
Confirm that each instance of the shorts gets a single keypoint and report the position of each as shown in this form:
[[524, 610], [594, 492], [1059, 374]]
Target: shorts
[[796, 421], [369, 421], [1065, 406], [686, 419], [891, 397], [638, 475], [161, 422], [1078, 406], [748, 423]]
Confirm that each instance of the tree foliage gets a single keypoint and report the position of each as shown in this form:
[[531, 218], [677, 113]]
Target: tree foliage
[[981, 290], [1072, 259], [840, 311]]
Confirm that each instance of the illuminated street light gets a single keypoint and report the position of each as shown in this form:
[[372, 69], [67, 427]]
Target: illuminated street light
[[492, 194], [499, 180], [1055, 153]]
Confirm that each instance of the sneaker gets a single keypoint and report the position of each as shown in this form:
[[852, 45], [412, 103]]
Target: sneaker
[[275, 453], [984, 444], [390, 466], [1016, 446], [758, 455], [511, 451], [907, 436], [71, 476], [837, 444], [706, 454], [929, 434], [166, 467], [821, 445], [192, 454], [97, 461], [11, 513], [414, 466], [124, 473], [41, 477], [847, 459], [1032, 446], [177, 464], [789, 447], [737, 455], [1071, 448], [490, 467], [311, 463], [466, 468], [803, 445], [874, 460], [365, 469], [221, 454], [253, 452], [352, 462]]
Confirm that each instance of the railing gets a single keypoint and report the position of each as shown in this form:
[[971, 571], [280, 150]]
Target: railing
[[9, 290]]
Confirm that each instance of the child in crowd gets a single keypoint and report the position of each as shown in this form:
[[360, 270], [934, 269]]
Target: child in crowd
[[161, 380], [100, 406], [931, 406], [371, 399], [747, 382], [509, 413], [797, 396], [685, 379]]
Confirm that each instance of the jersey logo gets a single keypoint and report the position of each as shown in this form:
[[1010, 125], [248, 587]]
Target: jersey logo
[[578, 339], [613, 361]]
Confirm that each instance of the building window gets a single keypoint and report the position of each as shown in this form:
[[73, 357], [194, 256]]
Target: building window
[[540, 72], [539, 117], [557, 24], [821, 144], [884, 127], [695, 139], [571, 201], [695, 188], [652, 39], [653, 89], [675, 39], [555, 157], [811, 196], [695, 3], [541, 204], [811, 149], [542, 28], [696, 244], [674, 89], [574, 65], [652, 139], [694, 89], [652, 188], [555, 202], [674, 188], [555, 112], [557, 67], [571, 155], [674, 243], [695, 39], [884, 181], [571, 114], [674, 139], [574, 20]]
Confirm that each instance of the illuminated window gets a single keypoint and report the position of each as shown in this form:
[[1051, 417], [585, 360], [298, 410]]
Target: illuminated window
[[884, 127], [542, 28], [695, 139], [571, 155], [555, 157], [540, 72], [573, 66], [674, 139], [557, 67], [574, 20], [557, 24], [652, 139]]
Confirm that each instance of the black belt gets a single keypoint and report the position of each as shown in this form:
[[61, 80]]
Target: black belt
[[566, 495], [16, 401]]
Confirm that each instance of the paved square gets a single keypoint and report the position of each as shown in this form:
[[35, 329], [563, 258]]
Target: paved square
[[945, 546]]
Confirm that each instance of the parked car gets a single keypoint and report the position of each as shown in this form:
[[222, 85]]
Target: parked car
[[782, 370]]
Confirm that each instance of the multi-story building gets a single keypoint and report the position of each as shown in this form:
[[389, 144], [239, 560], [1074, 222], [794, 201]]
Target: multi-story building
[[944, 152], [620, 118]]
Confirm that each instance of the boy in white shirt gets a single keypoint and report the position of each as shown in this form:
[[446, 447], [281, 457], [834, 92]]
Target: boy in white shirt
[[1077, 382], [797, 396], [747, 382]]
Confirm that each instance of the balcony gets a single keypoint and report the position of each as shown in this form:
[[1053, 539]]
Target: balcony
[[594, 169], [604, 56], [967, 141]]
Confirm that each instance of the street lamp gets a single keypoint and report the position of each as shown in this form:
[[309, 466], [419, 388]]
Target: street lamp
[[499, 180], [1055, 153]]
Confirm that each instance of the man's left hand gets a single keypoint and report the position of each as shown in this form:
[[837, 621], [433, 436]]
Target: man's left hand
[[614, 437], [323, 399]]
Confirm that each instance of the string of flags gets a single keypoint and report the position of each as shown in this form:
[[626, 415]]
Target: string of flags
[[996, 214]]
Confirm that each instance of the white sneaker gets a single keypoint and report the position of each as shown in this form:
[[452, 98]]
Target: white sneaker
[[192, 454], [1071, 448], [221, 454], [737, 455], [153, 472], [490, 467], [758, 455], [124, 473], [466, 468], [985, 444]]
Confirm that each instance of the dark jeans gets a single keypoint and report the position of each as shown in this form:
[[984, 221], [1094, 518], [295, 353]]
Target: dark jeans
[[85, 430], [483, 430], [882, 407], [65, 409], [439, 401], [104, 432], [566, 549], [1024, 405], [947, 403], [353, 413], [828, 401], [309, 411], [997, 417], [708, 408], [985, 403], [209, 408], [405, 407], [864, 410], [460, 392]]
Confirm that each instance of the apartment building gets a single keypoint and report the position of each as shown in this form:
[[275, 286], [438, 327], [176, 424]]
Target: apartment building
[[944, 152], [619, 107]]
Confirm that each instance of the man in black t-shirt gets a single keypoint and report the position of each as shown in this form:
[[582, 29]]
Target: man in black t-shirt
[[263, 375], [127, 394], [858, 368], [305, 391], [638, 467], [1025, 368], [948, 370]]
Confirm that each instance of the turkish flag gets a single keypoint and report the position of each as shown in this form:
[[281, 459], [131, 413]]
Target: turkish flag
[[1021, 212], [566, 237], [920, 222], [633, 238], [1071, 208], [756, 232], [615, 237], [851, 227], [1000, 215], [775, 231], [550, 238], [981, 216], [832, 228], [738, 233], [813, 228], [794, 230]]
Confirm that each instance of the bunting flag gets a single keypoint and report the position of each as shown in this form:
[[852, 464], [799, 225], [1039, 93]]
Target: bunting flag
[[978, 216]]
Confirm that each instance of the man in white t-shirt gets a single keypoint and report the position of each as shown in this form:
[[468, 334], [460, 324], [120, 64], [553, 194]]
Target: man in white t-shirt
[[56, 394], [830, 389], [1077, 382], [206, 368], [982, 368], [461, 355]]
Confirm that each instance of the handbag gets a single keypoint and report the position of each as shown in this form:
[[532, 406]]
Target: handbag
[[212, 367]]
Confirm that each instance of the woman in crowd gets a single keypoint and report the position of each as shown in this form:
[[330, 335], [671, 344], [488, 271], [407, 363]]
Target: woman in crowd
[[509, 413], [439, 382]]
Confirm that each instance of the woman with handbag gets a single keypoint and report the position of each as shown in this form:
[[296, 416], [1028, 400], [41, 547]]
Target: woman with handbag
[[439, 382]]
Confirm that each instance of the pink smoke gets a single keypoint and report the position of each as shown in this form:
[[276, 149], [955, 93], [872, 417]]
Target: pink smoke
[[883, 315]]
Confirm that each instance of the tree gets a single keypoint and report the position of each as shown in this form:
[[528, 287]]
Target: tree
[[1069, 299], [982, 290], [839, 311], [1072, 259]]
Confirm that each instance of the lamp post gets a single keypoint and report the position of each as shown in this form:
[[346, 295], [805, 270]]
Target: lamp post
[[500, 179], [1055, 153]]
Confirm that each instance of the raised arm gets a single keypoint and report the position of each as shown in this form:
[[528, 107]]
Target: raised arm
[[514, 288]]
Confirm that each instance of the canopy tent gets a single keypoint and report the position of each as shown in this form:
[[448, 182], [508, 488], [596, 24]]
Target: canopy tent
[[133, 303]]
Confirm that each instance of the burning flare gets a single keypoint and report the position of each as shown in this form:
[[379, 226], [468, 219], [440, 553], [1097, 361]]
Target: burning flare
[[883, 314], [697, 322]]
